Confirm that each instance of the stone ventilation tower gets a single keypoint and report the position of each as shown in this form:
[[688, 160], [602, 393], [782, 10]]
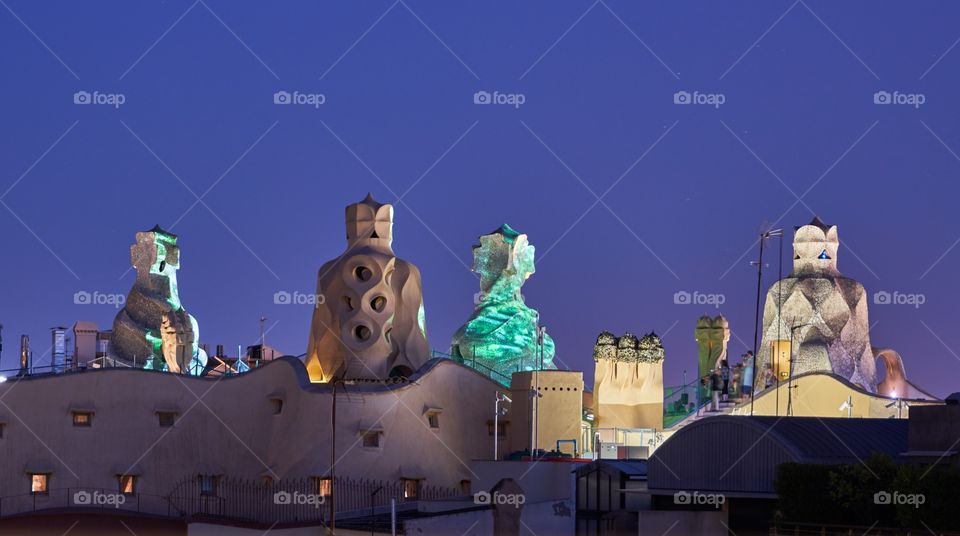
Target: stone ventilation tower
[[153, 330], [369, 319], [712, 336], [628, 381], [501, 334], [827, 310]]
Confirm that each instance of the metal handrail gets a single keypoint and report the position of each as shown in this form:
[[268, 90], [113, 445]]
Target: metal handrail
[[503, 378], [86, 498]]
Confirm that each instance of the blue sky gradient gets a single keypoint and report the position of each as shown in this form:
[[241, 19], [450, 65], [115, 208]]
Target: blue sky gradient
[[685, 188]]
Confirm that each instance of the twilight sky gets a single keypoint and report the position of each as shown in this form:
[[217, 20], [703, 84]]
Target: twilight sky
[[683, 188]]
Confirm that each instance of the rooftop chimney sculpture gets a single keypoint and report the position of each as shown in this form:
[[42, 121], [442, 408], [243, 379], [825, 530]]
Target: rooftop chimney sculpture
[[628, 381], [502, 333], [712, 336], [153, 329], [827, 311], [368, 322]]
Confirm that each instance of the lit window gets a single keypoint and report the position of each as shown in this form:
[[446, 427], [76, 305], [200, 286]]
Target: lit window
[[411, 488], [128, 483], [208, 484], [166, 418], [82, 418], [823, 256], [324, 486], [434, 419], [465, 487], [39, 482], [371, 439], [277, 405]]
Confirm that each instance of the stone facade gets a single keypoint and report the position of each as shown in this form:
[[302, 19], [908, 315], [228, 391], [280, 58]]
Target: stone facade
[[270, 422], [555, 415]]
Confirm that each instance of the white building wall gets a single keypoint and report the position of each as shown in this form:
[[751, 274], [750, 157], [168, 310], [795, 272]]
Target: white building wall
[[227, 425]]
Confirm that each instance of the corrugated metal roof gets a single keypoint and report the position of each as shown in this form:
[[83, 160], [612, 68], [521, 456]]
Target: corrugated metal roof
[[837, 440], [741, 454], [630, 468]]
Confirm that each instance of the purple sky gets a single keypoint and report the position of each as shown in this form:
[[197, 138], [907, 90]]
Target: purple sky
[[685, 188]]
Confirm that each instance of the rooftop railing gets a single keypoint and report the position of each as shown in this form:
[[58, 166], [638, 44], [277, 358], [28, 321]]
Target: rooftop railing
[[287, 501]]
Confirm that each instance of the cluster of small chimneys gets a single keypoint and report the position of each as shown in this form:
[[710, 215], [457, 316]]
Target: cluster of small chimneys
[[647, 349]]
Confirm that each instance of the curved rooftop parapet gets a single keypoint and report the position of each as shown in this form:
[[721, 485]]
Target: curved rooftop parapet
[[273, 419]]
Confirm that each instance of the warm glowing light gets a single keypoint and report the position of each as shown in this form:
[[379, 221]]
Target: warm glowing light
[[38, 483]]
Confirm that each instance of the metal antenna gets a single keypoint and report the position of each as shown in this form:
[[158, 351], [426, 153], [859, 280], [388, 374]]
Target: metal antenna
[[263, 335]]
